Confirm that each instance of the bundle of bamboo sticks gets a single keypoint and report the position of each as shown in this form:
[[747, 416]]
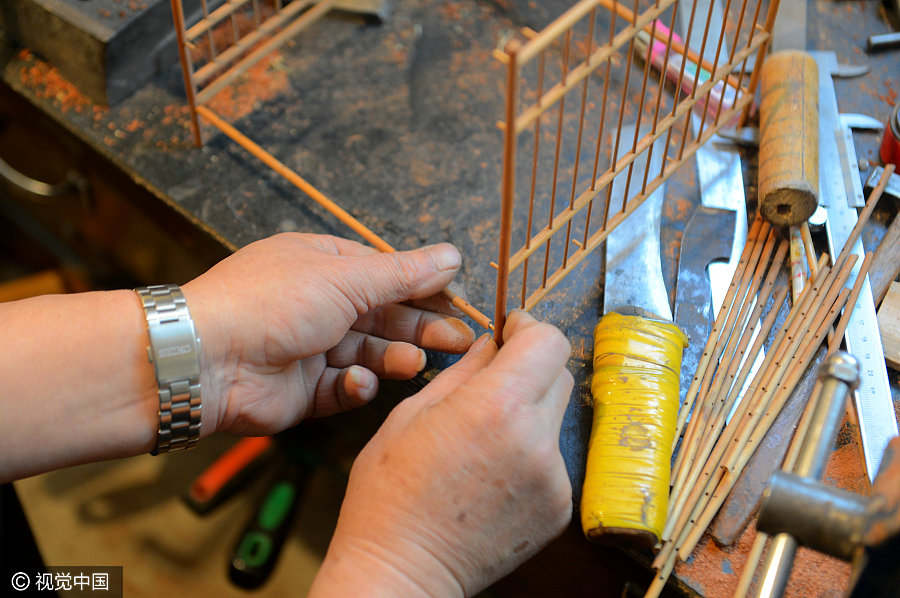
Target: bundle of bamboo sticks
[[714, 448]]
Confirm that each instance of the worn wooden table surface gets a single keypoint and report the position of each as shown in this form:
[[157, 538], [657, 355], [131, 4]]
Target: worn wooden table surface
[[397, 123]]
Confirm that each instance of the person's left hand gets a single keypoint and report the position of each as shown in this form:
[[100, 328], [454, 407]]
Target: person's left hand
[[300, 325]]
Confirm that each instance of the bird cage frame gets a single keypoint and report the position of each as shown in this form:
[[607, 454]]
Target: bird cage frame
[[530, 100], [722, 98]]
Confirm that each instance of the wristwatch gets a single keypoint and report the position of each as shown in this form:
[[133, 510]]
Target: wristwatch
[[174, 352]]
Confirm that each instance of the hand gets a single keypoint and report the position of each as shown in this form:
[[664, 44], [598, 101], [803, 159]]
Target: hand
[[464, 481], [302, 325]]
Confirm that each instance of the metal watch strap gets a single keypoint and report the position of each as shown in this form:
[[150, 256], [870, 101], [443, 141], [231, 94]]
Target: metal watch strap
[[175, 353]]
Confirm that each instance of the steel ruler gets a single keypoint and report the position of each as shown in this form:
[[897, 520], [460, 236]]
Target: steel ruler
[[840, 192]]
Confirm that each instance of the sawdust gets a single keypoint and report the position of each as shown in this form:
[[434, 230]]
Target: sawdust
[[716, 570], [262, 82], [47, 83]]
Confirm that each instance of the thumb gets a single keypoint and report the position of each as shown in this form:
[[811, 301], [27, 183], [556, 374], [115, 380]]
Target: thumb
[[383, 278]]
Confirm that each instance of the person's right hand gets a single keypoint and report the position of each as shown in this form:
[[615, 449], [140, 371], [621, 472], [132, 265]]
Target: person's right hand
[[464, 481]]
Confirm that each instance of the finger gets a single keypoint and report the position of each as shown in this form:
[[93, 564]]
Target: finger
[[557, 399], [441, 303], [380, 279], [532, 357], [476, 359], [343, 389], [385, 358], [423, 328]]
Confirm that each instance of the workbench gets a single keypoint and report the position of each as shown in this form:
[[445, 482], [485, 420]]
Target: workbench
[[396, 122]]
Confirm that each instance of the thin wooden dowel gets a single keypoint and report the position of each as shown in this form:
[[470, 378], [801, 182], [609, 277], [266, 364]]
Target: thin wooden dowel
[[754, 435], [214, 17], [752, 29], [660, 86], [737, 35], [694, 57], [534, 166], [507, 190], [720, 397], [722, 384], [264, 49], [687, 403], [757, 263], [598, 237], [750, 565], [765, 376], [703, 454], [867, 210], [211, 69], [586, 67], [785, 358], [687, 122], [844, 321], [640, 111], [334, 209], [715, 67], [809, 248], [684, 59], [614, 156], [620, 165], [584, 87], [760, 57], [593, 187], [559, 134], [187, 69], [212, 43]]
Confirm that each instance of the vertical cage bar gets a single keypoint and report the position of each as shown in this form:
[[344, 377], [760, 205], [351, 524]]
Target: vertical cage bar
[[584, 86], [640, 111], [614, 157], [749, 43], [187, 70], [587, 220], [256, 15], [687, 121], [534, 166], [659, 94], [734, 45], [559, 134], [209, 32], [760, 56], [715, 67], [684, 59], [507, 193]]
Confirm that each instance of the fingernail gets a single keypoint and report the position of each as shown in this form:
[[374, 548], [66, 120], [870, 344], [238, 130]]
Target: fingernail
[[360, 378], [479, 344], [423, 359], [445, 256]]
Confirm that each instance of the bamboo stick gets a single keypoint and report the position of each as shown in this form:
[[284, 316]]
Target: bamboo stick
[[688, 402], [337, 211], [722, 385], [759, 544], [757, 250], [683, 493], [739, 456], [774, 368], [851, 304], [867, 210], [742, 450], [754, 436], [809, 248]]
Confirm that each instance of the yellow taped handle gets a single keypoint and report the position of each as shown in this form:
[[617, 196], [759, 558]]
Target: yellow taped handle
[[637, 363]]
